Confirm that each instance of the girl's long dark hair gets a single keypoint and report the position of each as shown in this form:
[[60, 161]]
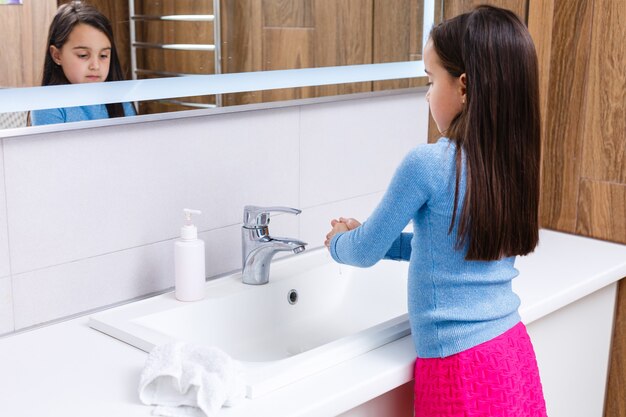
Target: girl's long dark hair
[[66, 18], [498, 130]]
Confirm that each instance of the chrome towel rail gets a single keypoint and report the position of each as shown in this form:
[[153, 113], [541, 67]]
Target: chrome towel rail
[[163, 73], [188, 104], [137, 43], [178, 17], [176, 46]]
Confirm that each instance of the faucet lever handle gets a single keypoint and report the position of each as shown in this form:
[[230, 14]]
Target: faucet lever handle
[[256, 216]]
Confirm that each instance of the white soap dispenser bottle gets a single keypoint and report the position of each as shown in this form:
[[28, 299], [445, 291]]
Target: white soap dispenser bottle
[[189, 264]]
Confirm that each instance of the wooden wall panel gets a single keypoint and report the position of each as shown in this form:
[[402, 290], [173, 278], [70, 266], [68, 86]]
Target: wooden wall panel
[[417, 31], [14, 46], [604, 152], [242, 31], [42, 15], [398, 37], [287, 48], [602, 210], [584, 161], [540, 24], [392, 37], [288, 13], [343, 36], [456, 7], [615, 405], [286, 34], [23, 46], [540, 18], [571, 41], [345, 32]]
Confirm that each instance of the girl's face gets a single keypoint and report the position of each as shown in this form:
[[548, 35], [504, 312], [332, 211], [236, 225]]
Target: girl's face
[[86, 55], [446, 94]]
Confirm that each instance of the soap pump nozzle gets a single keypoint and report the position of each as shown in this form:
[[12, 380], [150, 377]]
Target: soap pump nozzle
[[189, 231]]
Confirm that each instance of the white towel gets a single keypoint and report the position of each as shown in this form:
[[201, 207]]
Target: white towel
[[183, 379]]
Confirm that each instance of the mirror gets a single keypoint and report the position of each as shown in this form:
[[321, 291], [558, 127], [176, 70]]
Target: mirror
[[253, 35]]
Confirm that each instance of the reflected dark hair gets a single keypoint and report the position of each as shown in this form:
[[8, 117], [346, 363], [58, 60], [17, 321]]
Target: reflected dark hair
[[498, 130], [67, 17]]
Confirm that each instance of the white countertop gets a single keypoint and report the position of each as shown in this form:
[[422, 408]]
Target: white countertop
[[69, 369]]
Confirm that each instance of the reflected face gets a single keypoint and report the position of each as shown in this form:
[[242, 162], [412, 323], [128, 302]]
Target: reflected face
[[446, 94], [85, 57]]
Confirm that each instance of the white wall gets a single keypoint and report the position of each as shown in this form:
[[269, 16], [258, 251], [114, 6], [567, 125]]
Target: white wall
[[88, 217]]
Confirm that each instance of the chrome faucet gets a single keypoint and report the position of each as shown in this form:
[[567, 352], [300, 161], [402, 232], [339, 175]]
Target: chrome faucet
[[258, 247]]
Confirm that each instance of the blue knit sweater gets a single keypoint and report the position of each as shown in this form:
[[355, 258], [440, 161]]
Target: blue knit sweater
[[453, 304], [75, 114]]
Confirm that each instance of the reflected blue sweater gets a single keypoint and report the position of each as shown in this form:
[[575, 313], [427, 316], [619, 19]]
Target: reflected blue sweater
[[75, 114], [453, 304]]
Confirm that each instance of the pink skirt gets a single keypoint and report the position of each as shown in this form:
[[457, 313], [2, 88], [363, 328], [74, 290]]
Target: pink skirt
[[498, 378]]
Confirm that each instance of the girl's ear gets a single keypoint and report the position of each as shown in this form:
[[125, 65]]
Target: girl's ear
[[55, 53], [463, 87]]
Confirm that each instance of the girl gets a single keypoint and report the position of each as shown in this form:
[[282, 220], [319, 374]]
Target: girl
[[473, 198], [81, 49]]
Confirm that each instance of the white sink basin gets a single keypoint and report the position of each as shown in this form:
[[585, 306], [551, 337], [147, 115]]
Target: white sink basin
[[337, 312]]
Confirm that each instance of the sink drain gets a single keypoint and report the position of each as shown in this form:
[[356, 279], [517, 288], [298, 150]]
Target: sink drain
[[292, 297]]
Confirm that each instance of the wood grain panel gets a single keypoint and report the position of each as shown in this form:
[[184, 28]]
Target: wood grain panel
[[396, 36], [453, 8], [288, 13], [343, 36], [416, 30], [242, 32], [540, 23], [15, 40], [540, 15], [393, 38], [571, 38], [287, 48], [602, 210], [37, 29], [180, 32], [346, 32], [615, 405], [604, 151], [591, 102], [23, 46]]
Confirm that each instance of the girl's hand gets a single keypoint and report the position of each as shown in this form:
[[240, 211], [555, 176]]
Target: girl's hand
[[341, 225]]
